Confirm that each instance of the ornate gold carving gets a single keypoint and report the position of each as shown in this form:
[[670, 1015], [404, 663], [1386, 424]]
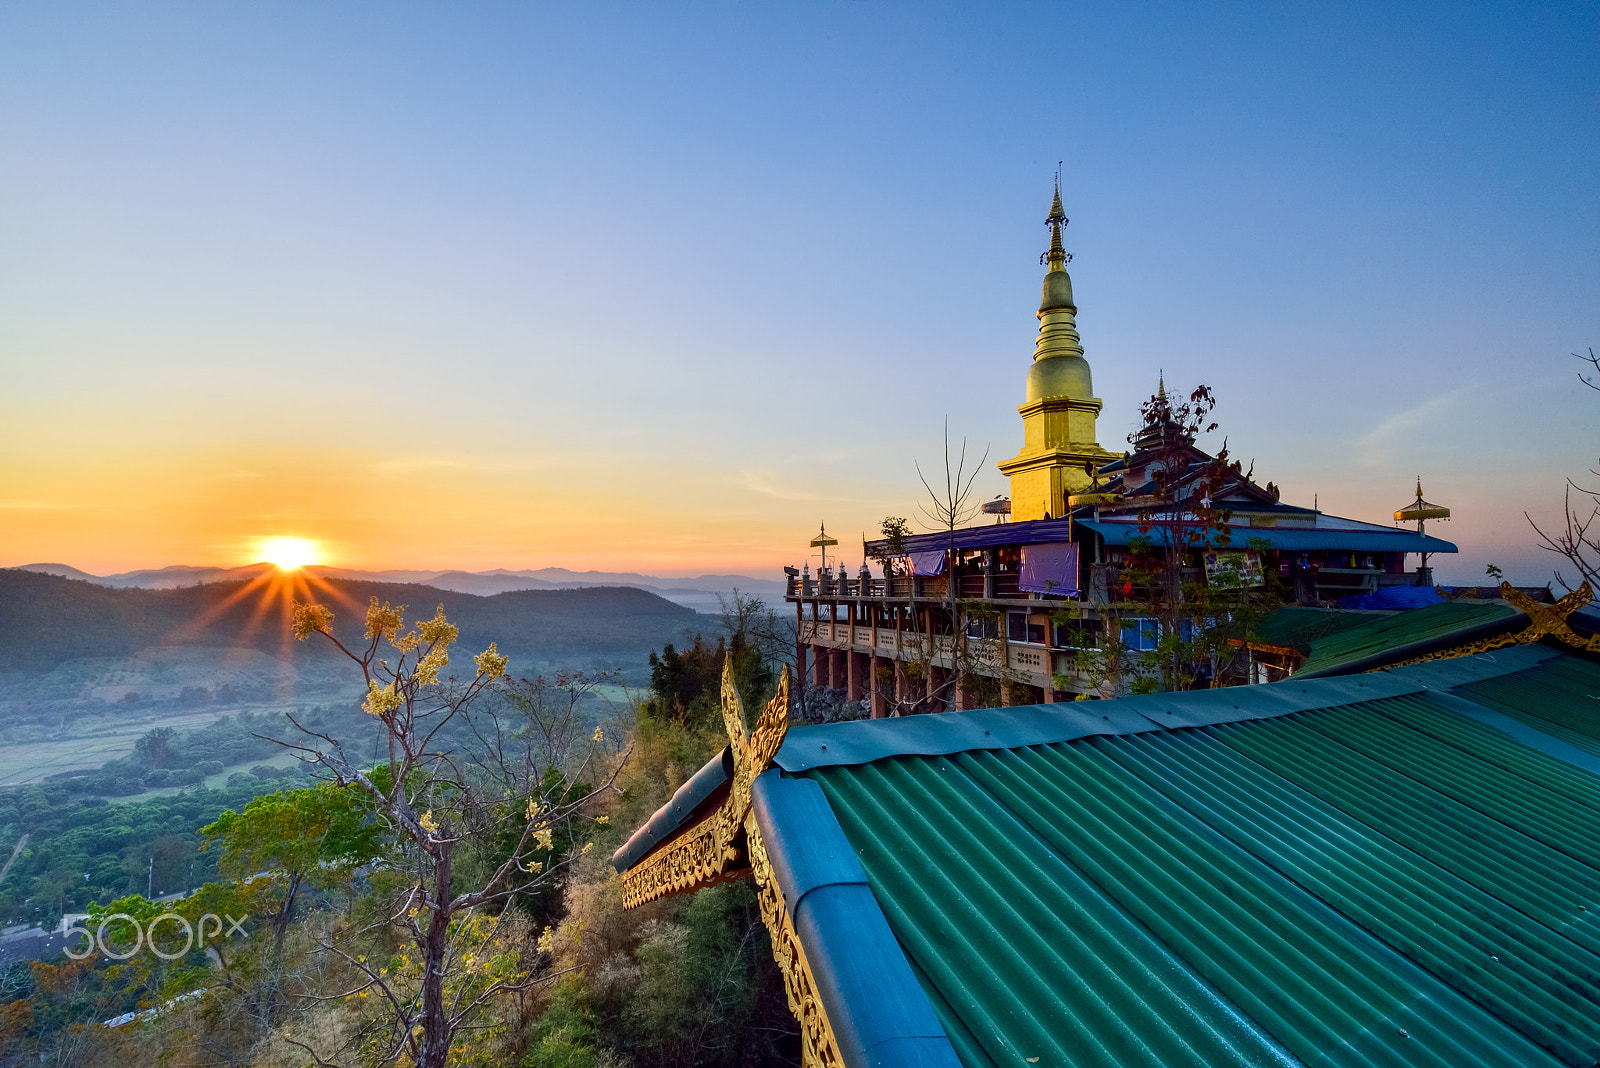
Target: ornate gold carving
[[713, 850], [1544, 621], [727, 845], [818, 1047], [699, 856]]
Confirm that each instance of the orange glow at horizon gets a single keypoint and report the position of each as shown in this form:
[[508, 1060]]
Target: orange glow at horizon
[[105, 510]]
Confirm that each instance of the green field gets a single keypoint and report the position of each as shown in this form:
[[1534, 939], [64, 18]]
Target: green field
[[26, 762], [285, 759]]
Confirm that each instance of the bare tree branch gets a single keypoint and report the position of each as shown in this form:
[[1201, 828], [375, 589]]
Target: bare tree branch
[[1577, 539]]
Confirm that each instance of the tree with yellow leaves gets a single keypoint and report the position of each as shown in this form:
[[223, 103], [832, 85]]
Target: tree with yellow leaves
[[434, 797]]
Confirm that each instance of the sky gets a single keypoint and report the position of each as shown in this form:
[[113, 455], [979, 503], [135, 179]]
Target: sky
[[662, 287]]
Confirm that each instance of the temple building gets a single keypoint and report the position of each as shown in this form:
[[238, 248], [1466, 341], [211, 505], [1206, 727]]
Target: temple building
[[1388, 859], [1393, 863], [1032, 610]]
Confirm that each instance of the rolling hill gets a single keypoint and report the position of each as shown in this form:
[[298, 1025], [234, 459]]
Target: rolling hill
[[698, 593], [47, 620]]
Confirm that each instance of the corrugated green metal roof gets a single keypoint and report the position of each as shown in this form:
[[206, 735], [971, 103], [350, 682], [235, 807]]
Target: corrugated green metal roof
[[1379, 883], [1397, 868], [1401, 635], [1296, 627], [1561, 698]]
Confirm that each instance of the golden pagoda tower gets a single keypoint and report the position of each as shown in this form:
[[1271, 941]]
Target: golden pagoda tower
[[1059, 452]]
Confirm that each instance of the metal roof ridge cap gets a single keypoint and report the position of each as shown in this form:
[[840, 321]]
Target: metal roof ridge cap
[[819, 858], [941, 734], [879, 1014], [858, 742], [1472, 668], [663, 824], [1321, 693]]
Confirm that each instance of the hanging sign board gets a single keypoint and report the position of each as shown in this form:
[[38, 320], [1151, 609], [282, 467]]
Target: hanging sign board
[[1234, 570]]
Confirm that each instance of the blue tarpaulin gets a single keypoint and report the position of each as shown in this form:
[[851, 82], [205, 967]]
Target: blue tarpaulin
[[930, 563], [1050, 568], [1393, 597]]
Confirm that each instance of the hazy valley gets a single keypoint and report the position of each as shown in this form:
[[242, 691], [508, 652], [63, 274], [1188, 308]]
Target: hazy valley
[[162, 704], [93, 667]]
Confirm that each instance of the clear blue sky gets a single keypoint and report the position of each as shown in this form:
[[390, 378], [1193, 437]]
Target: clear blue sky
[[662, 286]]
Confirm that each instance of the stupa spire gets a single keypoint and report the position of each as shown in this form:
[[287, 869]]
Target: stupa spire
[[1057, 256], [1058, 327], [1059, 454]]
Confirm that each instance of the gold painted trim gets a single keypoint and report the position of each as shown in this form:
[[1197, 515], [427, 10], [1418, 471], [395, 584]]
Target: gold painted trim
[[818, 1046], [727, 845], [1544, 621], [704, 855], [713, 850]]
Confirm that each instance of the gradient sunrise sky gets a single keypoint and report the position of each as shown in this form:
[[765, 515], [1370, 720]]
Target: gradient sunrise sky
[[660, 287]]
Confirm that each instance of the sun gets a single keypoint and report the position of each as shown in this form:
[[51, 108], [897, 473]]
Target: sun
[[289, 553]]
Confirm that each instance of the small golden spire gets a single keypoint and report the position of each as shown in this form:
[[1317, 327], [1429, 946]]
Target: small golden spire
[[1057, 218], [1419, 487], [1161, 386]]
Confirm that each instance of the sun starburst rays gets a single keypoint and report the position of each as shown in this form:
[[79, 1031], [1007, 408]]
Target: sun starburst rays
[[264, 602]]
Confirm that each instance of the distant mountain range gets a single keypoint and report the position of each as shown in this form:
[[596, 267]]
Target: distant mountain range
[[48, 620], [699, 593]]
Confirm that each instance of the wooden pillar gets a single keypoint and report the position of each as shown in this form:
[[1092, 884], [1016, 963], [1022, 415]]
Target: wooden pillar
[[937, 698], [1049, 660], [880, 707], [818, 653], [799, 645], [852, 680]]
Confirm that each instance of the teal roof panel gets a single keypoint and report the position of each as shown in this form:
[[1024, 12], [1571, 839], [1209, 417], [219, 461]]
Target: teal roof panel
[[1296, 627], [1059, 900], [1381, 881], [1405, 634], [1395, 868], [1561, 698]]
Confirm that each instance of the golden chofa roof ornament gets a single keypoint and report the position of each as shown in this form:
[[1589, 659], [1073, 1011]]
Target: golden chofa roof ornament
[[1419, 509]]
